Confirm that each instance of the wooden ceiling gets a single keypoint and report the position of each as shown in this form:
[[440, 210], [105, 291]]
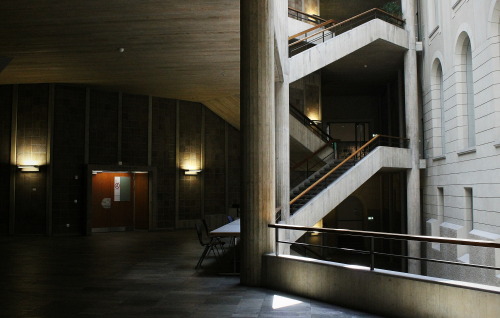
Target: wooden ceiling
[[176, 49]]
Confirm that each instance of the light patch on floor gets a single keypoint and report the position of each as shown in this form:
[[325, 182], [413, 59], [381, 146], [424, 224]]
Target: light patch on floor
[[282, 302]]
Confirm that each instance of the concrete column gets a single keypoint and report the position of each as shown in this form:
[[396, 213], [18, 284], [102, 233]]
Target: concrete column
[[283, 159], [412, 132], [282, 97], [258, 136]]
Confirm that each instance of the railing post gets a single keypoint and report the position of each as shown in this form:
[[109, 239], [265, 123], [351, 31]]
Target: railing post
[[276, 239], [372, 255]]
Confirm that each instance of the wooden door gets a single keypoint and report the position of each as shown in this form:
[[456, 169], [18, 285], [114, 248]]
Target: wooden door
[[109, 211], [141, 196]]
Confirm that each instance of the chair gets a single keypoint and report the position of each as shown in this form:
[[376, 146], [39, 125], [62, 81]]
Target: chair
[[210, 246], [207, 233]]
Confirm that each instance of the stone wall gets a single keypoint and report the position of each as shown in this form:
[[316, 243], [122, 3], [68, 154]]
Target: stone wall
[[62, 128], [461, 183], [5, 130]]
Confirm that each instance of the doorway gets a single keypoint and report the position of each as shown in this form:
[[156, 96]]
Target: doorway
[[351, 136], [119, 201], [350, 132]]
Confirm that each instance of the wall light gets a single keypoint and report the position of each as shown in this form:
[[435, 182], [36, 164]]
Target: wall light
[[29, 168], [192, 172]]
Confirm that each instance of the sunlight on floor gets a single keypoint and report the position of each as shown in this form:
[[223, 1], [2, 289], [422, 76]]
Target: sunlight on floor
[[282, 302]]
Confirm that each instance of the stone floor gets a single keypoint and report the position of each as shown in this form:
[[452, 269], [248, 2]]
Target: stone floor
[[133, 274]]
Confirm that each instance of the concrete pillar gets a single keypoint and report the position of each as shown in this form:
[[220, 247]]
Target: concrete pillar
[[282, 97], [258, 136], [283, 159], [412, 132]]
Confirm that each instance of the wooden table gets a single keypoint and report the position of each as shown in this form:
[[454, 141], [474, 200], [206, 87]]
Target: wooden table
[[232, 230]]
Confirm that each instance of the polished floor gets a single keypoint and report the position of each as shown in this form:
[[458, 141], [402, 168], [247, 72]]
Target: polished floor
[[133, 274]]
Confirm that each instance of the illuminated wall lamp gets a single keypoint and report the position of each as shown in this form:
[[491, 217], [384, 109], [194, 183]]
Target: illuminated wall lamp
[[191, 172], [29, 168]]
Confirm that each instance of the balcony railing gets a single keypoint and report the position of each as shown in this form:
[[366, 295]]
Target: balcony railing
[[310, 124], [304, 17], [357, 154], [326, 33], [373, 254]]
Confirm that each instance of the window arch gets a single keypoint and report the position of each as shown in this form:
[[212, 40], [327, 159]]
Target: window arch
[[471, 127], [465, 81], [438, 106], [494, 37], [433, 13]]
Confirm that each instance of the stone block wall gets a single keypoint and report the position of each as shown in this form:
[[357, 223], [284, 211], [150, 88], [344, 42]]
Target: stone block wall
[[190, 157], [134, 136], [103, 144], [5, 135], [461, 183], [164, 158], [31, 144], [62, 128], [215, 161], [68, 200]]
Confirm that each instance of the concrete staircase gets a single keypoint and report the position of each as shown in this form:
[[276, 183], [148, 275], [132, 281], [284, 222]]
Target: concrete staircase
[[339, 46], [315, 177], [335, 190]]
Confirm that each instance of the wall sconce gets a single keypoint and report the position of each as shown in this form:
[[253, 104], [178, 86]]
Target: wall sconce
[[29, 168], [192, 172]]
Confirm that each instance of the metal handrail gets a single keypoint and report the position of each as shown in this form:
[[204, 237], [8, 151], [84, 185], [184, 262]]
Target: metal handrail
[[314, 154], [341, 27], [291, 37], [296, 14], [384, 235], [351, 156], [333, 170], [306, 121]]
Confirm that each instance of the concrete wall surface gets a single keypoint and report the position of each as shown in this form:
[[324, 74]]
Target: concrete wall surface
[[381, 292], [461, 183]]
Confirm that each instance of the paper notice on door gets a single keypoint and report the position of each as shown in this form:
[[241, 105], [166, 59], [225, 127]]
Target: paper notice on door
[[122, 189]]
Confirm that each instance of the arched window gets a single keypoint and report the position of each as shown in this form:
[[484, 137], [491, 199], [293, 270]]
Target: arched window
[[465, 89], [471, 129], [438, 107], [432, 15], [441, 106]]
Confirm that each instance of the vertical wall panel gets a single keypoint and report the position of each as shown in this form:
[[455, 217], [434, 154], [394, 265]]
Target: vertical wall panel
[[214, 165], [163, 157], [32, 128], [135, 130], [190, 115], [5, 135], [68, 160], [234, 166], [103, 137]]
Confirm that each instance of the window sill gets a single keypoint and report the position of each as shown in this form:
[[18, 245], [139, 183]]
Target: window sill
[[433, 33], [455, 5], [467, 151], [439, 158]]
